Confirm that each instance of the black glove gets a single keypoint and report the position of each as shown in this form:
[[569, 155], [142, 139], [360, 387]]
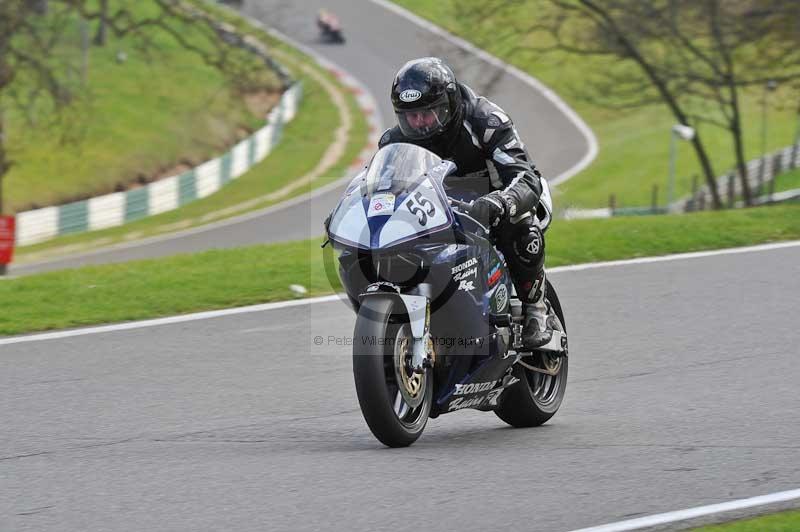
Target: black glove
[[490, 209]]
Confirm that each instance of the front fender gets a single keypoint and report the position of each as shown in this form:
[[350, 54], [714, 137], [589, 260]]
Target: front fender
[[414, 309]]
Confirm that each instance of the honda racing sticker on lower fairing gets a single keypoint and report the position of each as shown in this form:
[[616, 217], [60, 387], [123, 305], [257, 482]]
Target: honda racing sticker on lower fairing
[[475, 387], [488, 399]]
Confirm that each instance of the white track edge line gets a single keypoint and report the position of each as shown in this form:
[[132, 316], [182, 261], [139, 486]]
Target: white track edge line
[[167, 321], [691, 513], [548, 93], [325, 299], [676, 256]]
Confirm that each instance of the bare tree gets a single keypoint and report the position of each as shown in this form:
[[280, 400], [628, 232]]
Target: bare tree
[[102, 25], [694, 56], [34, 78]]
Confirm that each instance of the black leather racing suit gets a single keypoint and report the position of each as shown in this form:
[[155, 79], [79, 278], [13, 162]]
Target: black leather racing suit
[[490, 156]]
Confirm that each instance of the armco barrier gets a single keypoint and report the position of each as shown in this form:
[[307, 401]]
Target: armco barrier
[[163, 195], [760, 172]]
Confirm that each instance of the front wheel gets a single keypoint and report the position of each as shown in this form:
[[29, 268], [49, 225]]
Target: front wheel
[[538, 395], [394, 400]]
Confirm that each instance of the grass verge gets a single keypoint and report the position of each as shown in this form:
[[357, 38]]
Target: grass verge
[[780, 522], [634, 144], [228, 278]]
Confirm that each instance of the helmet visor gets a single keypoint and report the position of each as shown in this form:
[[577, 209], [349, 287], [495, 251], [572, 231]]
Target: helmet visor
[[423, 123]]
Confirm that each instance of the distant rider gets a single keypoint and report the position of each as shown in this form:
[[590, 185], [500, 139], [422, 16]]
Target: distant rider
[[437, 112], [327, 21]]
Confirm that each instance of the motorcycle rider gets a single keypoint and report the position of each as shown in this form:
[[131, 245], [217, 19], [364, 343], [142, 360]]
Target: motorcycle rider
[[327, 22], [437, 112]]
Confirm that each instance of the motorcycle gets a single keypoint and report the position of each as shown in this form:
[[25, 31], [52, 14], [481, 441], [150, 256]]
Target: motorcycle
[[330, 28], [439, 325]]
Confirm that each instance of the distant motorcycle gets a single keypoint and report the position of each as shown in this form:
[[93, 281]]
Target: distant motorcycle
[[330, 27], [439, 326]]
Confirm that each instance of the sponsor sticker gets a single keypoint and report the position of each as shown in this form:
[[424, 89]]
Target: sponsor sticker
[[381, 205], [410, 95], [475, 387], [464, 402], [464, 265], [501, 298], [494, 275], [467, 286], [489, 399], [466, 274], [489, 396]]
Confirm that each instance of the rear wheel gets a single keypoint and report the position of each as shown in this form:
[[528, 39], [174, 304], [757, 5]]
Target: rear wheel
[[538, 395], [394, 400]]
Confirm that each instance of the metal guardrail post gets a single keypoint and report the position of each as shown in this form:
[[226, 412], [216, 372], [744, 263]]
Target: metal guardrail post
[[690, 205], [777, 164], [771, 188], [731, 189]]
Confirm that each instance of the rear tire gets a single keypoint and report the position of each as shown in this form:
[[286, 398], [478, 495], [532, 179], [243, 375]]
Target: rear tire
[[537, 397], [381, 347]]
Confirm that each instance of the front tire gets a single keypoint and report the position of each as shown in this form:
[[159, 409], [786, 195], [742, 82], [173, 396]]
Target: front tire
[[537, 397], [395, 402]]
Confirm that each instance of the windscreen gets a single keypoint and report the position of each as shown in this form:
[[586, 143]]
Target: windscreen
[[398, 198], [398, 166]]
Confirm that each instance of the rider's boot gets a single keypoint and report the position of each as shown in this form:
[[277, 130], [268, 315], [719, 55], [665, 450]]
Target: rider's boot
[[538, 328]]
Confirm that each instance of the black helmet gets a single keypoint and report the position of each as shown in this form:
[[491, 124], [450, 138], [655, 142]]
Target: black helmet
[[426, 98]]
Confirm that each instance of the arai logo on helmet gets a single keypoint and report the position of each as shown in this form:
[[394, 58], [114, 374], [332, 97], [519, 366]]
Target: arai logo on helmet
[[410, 95]]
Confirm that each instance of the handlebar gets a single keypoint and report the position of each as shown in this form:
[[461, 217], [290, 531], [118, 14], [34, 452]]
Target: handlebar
[[463, 209], [460, 205]]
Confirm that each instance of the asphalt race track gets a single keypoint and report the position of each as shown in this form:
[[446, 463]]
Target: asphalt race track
[[378, 43], [683, 391]]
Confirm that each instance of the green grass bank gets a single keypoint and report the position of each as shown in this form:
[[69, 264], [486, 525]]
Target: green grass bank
[[780, 522], [228, 278], [136, 114]]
